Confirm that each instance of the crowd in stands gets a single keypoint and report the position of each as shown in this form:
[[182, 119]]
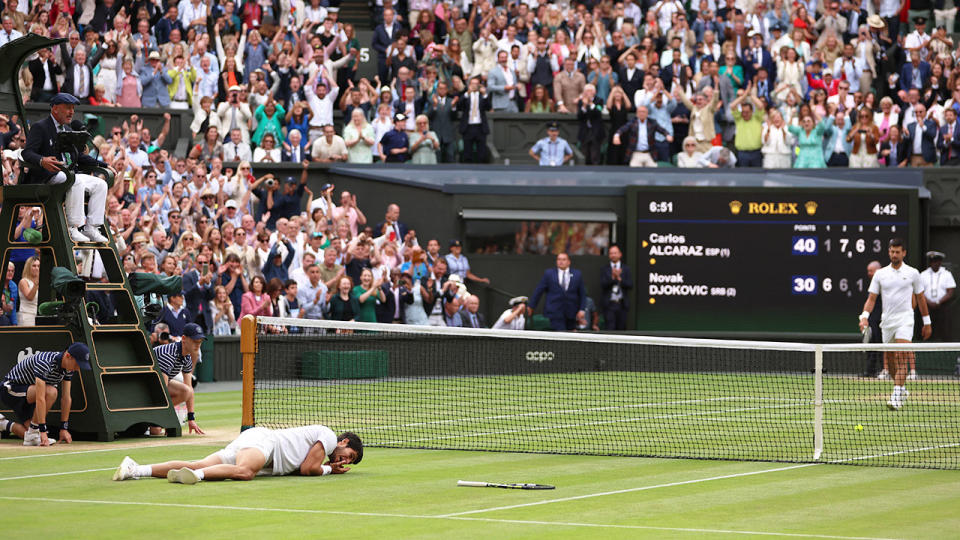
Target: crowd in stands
[[810, 83]]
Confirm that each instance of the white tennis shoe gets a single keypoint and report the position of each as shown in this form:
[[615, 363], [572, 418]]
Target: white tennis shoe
[[182, 476], [31, 438], [884, 375], [912, 376], [127, 470]]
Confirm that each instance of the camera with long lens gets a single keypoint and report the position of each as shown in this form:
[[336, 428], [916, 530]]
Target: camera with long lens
[[73, 139]]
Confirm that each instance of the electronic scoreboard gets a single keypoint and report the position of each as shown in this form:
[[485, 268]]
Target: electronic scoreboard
[[761, 260]]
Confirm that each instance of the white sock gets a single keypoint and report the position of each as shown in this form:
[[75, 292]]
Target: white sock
[[5, 424], [199, 473], [143, 471]]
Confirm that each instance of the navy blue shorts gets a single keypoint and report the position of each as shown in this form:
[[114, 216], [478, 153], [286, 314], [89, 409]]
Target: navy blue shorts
[[15, 396]]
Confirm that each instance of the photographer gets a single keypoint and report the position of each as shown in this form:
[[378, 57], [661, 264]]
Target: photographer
[[160, 334], [44, 161], [235, 114], [280, 202]]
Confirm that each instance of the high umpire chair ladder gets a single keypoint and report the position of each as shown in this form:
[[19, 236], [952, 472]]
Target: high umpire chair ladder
[[124, 391]]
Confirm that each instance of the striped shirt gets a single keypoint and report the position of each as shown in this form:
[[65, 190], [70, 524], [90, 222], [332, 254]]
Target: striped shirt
[[171, 360], [42, 365]]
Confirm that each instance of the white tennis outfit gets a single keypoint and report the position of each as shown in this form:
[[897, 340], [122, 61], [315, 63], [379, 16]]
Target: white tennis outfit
[[285, 449], [896, 287]]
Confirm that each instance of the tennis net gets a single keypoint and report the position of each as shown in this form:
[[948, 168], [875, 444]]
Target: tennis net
[[465, 389]]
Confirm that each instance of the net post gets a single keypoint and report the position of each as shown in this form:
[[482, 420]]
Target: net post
[[817, 402], [248, 353]]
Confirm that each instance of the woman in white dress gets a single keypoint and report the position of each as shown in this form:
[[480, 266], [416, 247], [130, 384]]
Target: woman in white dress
[[109, 65], [359, 138], [27, 316], [777, 142], [790, 71]]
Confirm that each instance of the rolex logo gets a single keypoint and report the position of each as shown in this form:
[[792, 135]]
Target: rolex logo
[[811, 207], [735, 207]]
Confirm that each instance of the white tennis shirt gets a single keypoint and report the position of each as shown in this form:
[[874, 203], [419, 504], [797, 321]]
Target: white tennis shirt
[[896, 287], [293, 444]]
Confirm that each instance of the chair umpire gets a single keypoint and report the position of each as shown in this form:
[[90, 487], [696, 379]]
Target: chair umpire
[[43, 162]]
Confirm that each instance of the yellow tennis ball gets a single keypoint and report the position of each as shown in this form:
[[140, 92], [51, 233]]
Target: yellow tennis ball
[[859, 427]]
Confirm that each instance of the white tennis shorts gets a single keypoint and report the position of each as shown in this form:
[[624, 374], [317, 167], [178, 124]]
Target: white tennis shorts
[[897, 327], [257, 437]]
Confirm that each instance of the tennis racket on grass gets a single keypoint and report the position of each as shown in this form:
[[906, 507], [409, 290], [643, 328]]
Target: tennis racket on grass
[[465, 483]]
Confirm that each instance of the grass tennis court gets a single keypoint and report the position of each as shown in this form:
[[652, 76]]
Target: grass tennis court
[[403, 493]]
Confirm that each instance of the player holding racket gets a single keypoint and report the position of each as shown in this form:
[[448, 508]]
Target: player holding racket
[[900, 288]]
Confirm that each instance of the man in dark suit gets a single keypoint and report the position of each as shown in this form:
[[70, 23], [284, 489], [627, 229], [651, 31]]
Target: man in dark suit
[[386, 311], [79, 75], [383, 36], [922, 136], [410, 106], [591, 132], [640, 142], [391, 224], [44, 160], [949, 141], [473, 107], [198, 286], [631, 76], [442, 112], [44, 73], [914, 74], [565, 292], [616, 283], [757, 57], [895, 151]]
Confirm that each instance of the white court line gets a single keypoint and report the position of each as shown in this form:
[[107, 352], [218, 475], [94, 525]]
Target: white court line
[[54, 474], [114, 449], [422, 517], [630, 490]]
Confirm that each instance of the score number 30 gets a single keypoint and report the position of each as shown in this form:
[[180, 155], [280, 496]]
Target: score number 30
[[808, 284]]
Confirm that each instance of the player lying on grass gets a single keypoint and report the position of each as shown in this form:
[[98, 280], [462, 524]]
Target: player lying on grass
[[260, 451], [31, 388]]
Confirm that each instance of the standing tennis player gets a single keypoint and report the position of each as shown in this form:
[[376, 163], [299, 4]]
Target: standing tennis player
[[309, 451], [900, 288]]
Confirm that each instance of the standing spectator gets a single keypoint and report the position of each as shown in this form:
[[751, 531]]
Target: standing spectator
[[541, 65], [565, 293], [591, 131], [777, 142], [44, 72], [749, 123], [358, 137], [552, 151], [221, 311], [631, 75], [921, 133], [502, 83], [809, 137], [568, 86], [383, 36], [269, 118], [660, 106], [235, 114], [365, 296], [255, 301], [441, 111], [639, 139], [701, 116], [423, 143], [9, 295], [836, 148], [473, 107], [604, 79], [413, 297], [313, 295], [395, 144], [154, 81], [939, 287], [288, 305], [949, 141], [340, 305], [894, 152], [330, 147], [28, 287], [616, 282], [174, 315], [79, 76], [866, 138], [619, 107], [198, 290], [458, 264]]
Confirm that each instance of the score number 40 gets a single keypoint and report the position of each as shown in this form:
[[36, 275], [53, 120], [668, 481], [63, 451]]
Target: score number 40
[[809, 284], [808, 245]]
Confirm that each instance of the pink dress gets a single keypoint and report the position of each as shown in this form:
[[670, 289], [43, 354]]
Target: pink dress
[[129, 97]]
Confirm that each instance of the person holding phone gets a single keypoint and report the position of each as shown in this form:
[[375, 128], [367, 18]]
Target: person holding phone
[[198, 290]]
